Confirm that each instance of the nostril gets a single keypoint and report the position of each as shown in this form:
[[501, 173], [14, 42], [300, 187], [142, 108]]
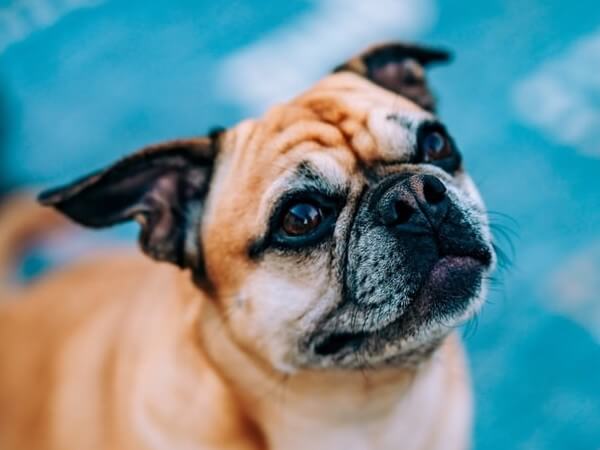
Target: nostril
[[403, 212], [434, 190]]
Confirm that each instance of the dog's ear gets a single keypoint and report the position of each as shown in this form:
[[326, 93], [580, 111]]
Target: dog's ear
[[162, 187], [400, 68]]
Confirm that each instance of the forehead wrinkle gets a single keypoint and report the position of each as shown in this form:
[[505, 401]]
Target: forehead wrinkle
[[362, 118], [304, 131], [349, 121], [349, 102]]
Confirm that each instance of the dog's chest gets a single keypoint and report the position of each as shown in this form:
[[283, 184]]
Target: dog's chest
[[434, 414]]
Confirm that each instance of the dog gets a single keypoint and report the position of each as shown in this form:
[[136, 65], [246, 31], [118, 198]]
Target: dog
[[306, 274]]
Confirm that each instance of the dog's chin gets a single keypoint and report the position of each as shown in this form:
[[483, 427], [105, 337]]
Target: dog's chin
[[450, 295]]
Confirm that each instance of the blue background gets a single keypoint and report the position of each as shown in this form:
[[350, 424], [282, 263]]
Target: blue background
[[83, 82]]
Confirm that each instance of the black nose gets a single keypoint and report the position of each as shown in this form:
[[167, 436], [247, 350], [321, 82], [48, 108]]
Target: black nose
[[415, 204]]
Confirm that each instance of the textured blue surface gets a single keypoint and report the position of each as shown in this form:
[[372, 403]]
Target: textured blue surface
[[86, 82]]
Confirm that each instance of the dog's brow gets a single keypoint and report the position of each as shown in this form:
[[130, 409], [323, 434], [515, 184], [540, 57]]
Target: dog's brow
[[403, 121], [305, 171], [306, 175], [411, 122]]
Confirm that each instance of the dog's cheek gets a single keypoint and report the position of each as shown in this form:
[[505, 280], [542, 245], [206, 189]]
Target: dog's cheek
[[224, 249], [467, 186], [279, 305], [469, 201]]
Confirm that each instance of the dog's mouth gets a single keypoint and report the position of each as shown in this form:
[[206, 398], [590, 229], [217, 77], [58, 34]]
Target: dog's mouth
[[448, 291], [338, 341]]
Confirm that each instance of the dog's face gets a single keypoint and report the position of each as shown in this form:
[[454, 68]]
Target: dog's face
[[338, 230]]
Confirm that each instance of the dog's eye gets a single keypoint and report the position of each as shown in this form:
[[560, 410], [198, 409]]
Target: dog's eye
[[301, 219], [435, 146]]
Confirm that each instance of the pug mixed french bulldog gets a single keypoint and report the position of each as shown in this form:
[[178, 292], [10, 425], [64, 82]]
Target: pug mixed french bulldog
[[321, 257]]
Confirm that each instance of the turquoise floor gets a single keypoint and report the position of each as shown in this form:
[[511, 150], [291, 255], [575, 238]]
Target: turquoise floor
[[85, 81]]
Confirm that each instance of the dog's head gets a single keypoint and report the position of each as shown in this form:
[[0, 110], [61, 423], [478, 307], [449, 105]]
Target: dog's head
[[339, 230]]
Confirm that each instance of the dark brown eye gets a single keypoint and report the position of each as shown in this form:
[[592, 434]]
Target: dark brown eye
[[435, 146], [301, 219]]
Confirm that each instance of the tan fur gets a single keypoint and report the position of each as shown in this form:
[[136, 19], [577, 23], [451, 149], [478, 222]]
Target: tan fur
[[122, 353]]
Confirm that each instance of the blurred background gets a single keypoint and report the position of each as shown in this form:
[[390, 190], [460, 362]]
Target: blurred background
[[83, 82]]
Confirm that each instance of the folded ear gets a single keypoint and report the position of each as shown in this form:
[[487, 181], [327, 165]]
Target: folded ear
[[163, 187], [400, 68]]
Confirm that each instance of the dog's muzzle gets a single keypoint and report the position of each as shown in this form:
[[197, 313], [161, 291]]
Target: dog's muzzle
[[416, 255]]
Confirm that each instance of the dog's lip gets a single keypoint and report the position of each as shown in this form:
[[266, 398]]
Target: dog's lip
[[450, 271], [447, 269]]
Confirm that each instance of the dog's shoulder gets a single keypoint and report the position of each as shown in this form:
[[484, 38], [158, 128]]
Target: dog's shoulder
[[62, 331], [63, 304]]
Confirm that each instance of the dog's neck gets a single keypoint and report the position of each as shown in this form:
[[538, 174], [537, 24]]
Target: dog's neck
[[345, 409], [197, 389]]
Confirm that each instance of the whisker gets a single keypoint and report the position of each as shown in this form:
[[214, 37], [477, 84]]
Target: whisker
[[504, 230], [514, 222], [471, 327]]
